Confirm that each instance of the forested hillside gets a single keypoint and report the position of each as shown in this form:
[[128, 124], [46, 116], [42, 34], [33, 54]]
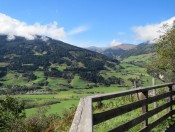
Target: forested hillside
[[31, 64]]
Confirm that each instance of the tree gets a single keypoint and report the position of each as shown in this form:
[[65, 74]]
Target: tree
[[165, 50], [10, 111]]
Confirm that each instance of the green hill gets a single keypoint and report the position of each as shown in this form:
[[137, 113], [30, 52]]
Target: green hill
[[143, 48], [39, 64]]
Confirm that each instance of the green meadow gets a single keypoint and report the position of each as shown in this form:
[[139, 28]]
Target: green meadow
[[63, 97]]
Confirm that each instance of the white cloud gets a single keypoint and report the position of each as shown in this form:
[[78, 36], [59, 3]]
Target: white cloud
[[151, 32], [78, 30], [115, 43], [12, 27]]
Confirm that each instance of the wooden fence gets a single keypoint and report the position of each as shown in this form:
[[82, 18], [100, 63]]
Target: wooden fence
[[84, 119]]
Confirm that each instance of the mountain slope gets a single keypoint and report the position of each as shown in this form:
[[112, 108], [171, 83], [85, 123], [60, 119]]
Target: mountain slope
[[127, 50], [124, 46], [20, 52], [43, 62], [97, 49], [113, 51], [143, 48]]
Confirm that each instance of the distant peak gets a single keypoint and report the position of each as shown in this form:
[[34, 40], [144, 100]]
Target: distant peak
[[124, 46]]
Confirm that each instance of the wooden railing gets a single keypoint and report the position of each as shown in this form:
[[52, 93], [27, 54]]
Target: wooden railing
[[84, 119]]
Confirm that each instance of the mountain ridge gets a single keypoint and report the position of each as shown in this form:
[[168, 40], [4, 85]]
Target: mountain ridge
[[126, 50]]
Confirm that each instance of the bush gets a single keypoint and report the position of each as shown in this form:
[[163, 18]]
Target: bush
[[12, 118], [11, 111]]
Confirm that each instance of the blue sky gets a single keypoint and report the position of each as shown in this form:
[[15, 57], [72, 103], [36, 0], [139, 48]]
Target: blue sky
[[87, 22]]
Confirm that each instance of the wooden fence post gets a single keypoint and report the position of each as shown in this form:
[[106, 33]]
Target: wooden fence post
[[135, 85], [154, 94], [145, 109], [170, 98]]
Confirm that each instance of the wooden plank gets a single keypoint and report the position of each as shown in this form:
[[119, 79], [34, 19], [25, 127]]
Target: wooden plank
[[154, 93], [137, 120], [157, 122], [127, 92], [106, 115], [82, 121], [145, 109], [171, 97], [77, 117]]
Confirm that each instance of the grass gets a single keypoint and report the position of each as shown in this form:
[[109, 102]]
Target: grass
[[78, 83], [55, 108], [44, 96], [61, 67], [103, 89], [131, 71], [13, 78], [139, 58], [56, 83], [39, 73], [73, 92], [39, 80], [67, 98]]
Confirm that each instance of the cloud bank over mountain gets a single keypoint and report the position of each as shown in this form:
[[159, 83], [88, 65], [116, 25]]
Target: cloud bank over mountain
[[13, 27]]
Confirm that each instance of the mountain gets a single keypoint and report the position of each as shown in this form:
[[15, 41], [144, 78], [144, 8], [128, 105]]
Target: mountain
[[124, 46], [114, 51], [97, 49], [143, 48], [126, 50], [36, 62]]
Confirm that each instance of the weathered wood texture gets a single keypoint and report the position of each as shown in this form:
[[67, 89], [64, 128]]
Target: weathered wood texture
[[84, 119], [106, 115], [141, 118], [145, 108], [127, 92], [171, 97], [154, 92]]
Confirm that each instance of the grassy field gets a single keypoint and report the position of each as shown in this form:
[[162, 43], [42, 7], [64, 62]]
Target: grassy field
[[78, 83], [139, 58], [13, 78], [58, 108], [59, 67], [68, 97]]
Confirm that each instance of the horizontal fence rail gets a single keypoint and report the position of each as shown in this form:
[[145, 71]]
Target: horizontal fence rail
[[84, 119]]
